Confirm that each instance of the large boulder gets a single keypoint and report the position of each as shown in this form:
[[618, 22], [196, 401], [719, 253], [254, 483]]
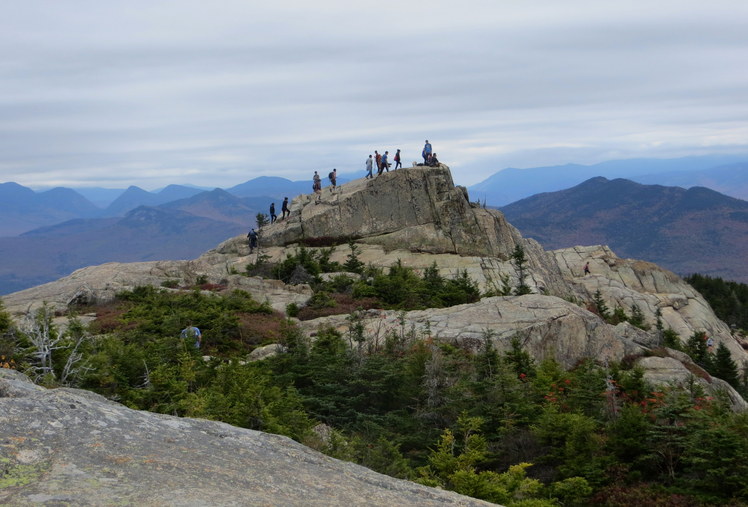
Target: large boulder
[[676, 369], [547, 327], [70, 447]]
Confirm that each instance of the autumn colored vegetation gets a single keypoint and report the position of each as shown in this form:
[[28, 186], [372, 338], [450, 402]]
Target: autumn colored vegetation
[[494, 425]]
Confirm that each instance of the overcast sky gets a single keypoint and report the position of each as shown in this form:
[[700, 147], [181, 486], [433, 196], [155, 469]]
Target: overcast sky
[[214, 93]]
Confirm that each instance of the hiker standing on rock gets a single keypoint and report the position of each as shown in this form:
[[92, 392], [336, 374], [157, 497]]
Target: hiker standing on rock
[[378, 160], [369, 164], [587, 268], [317, 187], [385, 162], [333, 179], [284, 208], [426, 153], [273, 216], [397, 160]]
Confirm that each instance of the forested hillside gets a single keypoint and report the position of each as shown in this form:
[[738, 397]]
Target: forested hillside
[[497, 426]]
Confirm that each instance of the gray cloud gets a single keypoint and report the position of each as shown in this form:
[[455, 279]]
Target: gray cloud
[[216, 93]]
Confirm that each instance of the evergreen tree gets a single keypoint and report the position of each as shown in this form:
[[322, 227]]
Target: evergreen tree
[[352, 263], [724, 367], [519, 260], [262, 220], [696, 348], [600, 306]]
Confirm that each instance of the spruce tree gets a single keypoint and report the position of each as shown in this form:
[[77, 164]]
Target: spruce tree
[[600, 306], [724, 367], [519, 260]]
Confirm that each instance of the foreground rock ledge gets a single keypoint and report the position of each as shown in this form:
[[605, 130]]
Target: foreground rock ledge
[[72, 447]]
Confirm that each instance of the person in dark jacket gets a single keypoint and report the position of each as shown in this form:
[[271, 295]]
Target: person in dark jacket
[[252, 238], [284, 208]]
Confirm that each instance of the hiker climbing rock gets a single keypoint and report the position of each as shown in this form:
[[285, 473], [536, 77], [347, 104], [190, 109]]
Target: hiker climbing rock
[[284, 208], [252, 238]]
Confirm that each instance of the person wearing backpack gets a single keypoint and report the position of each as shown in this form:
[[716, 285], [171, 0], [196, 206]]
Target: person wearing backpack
[[284, 208], [397, 160], [333, 179], [385, 162], [252, 237]]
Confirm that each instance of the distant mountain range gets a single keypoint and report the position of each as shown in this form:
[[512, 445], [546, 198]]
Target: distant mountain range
[[686, 231], [48, 234], [181, 229], [22, 209], [727, 174]]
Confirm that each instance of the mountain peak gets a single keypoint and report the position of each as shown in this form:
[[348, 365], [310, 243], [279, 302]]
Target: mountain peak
[[671, 226], [414, 207]]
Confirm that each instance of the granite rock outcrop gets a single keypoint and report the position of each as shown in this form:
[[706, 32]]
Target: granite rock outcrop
[[70, 447], [418, 217]]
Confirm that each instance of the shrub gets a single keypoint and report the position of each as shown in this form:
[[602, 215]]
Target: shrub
[[292, 309]]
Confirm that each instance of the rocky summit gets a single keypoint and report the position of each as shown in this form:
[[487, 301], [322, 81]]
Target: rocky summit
[[65, 441]]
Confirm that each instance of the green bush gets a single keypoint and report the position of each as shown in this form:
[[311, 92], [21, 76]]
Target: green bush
[[292, 309]]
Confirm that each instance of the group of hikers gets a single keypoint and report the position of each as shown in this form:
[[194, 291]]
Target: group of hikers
[[317, 184], [252, 234], [429, 157], [382, 163]]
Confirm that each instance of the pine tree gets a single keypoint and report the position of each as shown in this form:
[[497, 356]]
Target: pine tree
[[724, 367], [697, 349], [600, 306], [262, 220], [519, 260], [353, 263]]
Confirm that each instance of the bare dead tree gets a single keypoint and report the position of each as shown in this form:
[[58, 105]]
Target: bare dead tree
[[37, 326], [45, 339]]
